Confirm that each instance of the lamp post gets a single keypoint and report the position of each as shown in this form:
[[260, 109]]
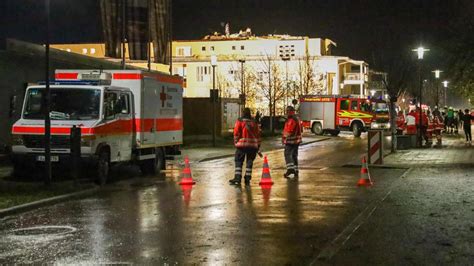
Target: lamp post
[[437, 73], [47, 104], [286, 59], [213, 98], [242, 80], [445, 85], [420, 51]]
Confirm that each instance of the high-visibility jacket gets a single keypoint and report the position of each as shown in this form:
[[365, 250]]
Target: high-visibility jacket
[[424, 119], [292, 131], [411, 123], [246, 133], [438, 122], [401, 122]]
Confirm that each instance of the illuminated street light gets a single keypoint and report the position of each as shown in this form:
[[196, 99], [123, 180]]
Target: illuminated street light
[[372, 92], [214, 97], [420, 51], [437, 73], [445, 85]]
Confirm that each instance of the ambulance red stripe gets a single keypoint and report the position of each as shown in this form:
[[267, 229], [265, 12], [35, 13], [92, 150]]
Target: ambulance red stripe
[[116, 127]]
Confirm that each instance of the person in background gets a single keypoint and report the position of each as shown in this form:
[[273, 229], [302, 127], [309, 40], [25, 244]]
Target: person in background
[[466, 118], [411, 123], [247, 143], [400, 123], [460, 114], [449, 120], [438, 123], [291, 139]]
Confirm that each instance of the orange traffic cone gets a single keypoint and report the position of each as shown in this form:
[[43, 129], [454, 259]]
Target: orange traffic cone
[[266, 178], [187, 193], [186, 176], [266, 190], [364, 175]]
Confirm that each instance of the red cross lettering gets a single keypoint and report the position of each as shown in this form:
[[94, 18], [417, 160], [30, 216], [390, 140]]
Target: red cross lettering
[[163, 96]]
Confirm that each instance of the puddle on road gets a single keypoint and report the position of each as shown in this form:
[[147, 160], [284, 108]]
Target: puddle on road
[[41, 233]]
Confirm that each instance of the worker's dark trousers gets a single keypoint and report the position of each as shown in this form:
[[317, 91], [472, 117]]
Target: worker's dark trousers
[[467, 131], [291, 157], [240, 155]]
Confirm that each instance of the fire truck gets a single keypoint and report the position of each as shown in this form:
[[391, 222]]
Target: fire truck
[[333, 113], [123, 115]]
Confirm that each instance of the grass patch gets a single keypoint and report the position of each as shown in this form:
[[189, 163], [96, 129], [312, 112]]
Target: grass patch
[[18, 194]]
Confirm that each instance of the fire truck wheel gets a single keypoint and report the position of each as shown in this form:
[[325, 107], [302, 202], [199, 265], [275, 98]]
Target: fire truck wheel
[[103, 167], [356, 129], [317, 129]]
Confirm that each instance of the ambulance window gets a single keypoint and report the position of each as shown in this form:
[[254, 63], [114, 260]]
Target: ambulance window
[[124, 104], [354, 105], [110, 105], [345, 105]]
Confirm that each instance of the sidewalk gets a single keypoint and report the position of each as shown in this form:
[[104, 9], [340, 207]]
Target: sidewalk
[[453, 152], [206, 153]]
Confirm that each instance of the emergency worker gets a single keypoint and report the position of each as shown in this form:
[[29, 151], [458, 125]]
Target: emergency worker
[[438, 125], [291, 139], [467, 117], [411, 123], [247, 143], [430, 128], [400, 123]]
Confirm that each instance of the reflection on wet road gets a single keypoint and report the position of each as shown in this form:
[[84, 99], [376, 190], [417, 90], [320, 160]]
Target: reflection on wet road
[[154, 220]]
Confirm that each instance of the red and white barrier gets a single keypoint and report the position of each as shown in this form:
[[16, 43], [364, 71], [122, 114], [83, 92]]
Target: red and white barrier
[[375, 138]]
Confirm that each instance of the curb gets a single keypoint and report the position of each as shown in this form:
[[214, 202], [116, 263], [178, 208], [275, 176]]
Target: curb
[[48, 201], [270, 151]]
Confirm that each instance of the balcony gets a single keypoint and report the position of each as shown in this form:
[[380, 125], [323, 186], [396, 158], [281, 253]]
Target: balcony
[[355, 78]]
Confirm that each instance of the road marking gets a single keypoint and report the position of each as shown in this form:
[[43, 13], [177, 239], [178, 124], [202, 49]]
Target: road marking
[[334, 246]]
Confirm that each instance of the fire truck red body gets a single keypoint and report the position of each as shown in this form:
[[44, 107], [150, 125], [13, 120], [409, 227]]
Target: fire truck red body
[[332, 114]]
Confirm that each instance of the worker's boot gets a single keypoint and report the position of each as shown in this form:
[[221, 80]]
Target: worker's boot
[[290, 173], [236, 180], [247, 179]]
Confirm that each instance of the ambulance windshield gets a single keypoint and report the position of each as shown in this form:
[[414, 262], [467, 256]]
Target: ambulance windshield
[[66, 104]]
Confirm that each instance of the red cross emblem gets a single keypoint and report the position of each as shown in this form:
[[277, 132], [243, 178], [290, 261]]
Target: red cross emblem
[[163, 96]]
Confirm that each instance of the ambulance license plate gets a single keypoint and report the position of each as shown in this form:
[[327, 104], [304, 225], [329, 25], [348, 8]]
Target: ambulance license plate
[[42, 158]]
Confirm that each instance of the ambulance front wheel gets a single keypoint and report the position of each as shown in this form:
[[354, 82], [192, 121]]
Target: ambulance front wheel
[[317, 128]]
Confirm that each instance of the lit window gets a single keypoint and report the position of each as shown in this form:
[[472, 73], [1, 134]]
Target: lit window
[[92, 50], [84, 50]]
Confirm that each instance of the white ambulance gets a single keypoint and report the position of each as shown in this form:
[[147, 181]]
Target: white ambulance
[[124, 116]]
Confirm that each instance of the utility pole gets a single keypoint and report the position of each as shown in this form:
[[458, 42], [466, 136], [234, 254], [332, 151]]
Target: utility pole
[[270, 93], [47, 104], [242, 81], [124, 40]]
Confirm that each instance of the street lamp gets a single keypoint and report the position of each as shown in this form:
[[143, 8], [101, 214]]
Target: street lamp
[[372, 92], [445, 85], [286, 59], [47, 103], [437, 73], [213, 98], [242, 81], [420, 51]]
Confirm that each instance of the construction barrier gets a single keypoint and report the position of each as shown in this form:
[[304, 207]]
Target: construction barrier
[[375, 141]]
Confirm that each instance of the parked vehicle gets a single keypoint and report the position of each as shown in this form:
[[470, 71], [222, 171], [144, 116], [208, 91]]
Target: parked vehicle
[[332, 114], [278, 122], [124, 116]]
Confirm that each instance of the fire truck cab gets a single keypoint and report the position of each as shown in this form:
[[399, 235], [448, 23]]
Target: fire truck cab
[[124, 116], [333, 113]]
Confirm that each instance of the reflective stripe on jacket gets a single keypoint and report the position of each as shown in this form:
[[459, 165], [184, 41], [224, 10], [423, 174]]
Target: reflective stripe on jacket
[[292, 131], [246, 134]]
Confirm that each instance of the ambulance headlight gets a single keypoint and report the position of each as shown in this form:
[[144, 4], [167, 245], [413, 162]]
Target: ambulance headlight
[[17, 140]]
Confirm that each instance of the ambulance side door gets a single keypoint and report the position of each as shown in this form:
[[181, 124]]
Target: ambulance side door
[[125, 138]]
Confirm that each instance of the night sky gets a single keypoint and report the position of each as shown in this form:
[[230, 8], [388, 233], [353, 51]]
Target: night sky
[[359, 27]]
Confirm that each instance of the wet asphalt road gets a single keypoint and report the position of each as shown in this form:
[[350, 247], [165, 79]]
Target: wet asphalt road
[[154, 220]]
